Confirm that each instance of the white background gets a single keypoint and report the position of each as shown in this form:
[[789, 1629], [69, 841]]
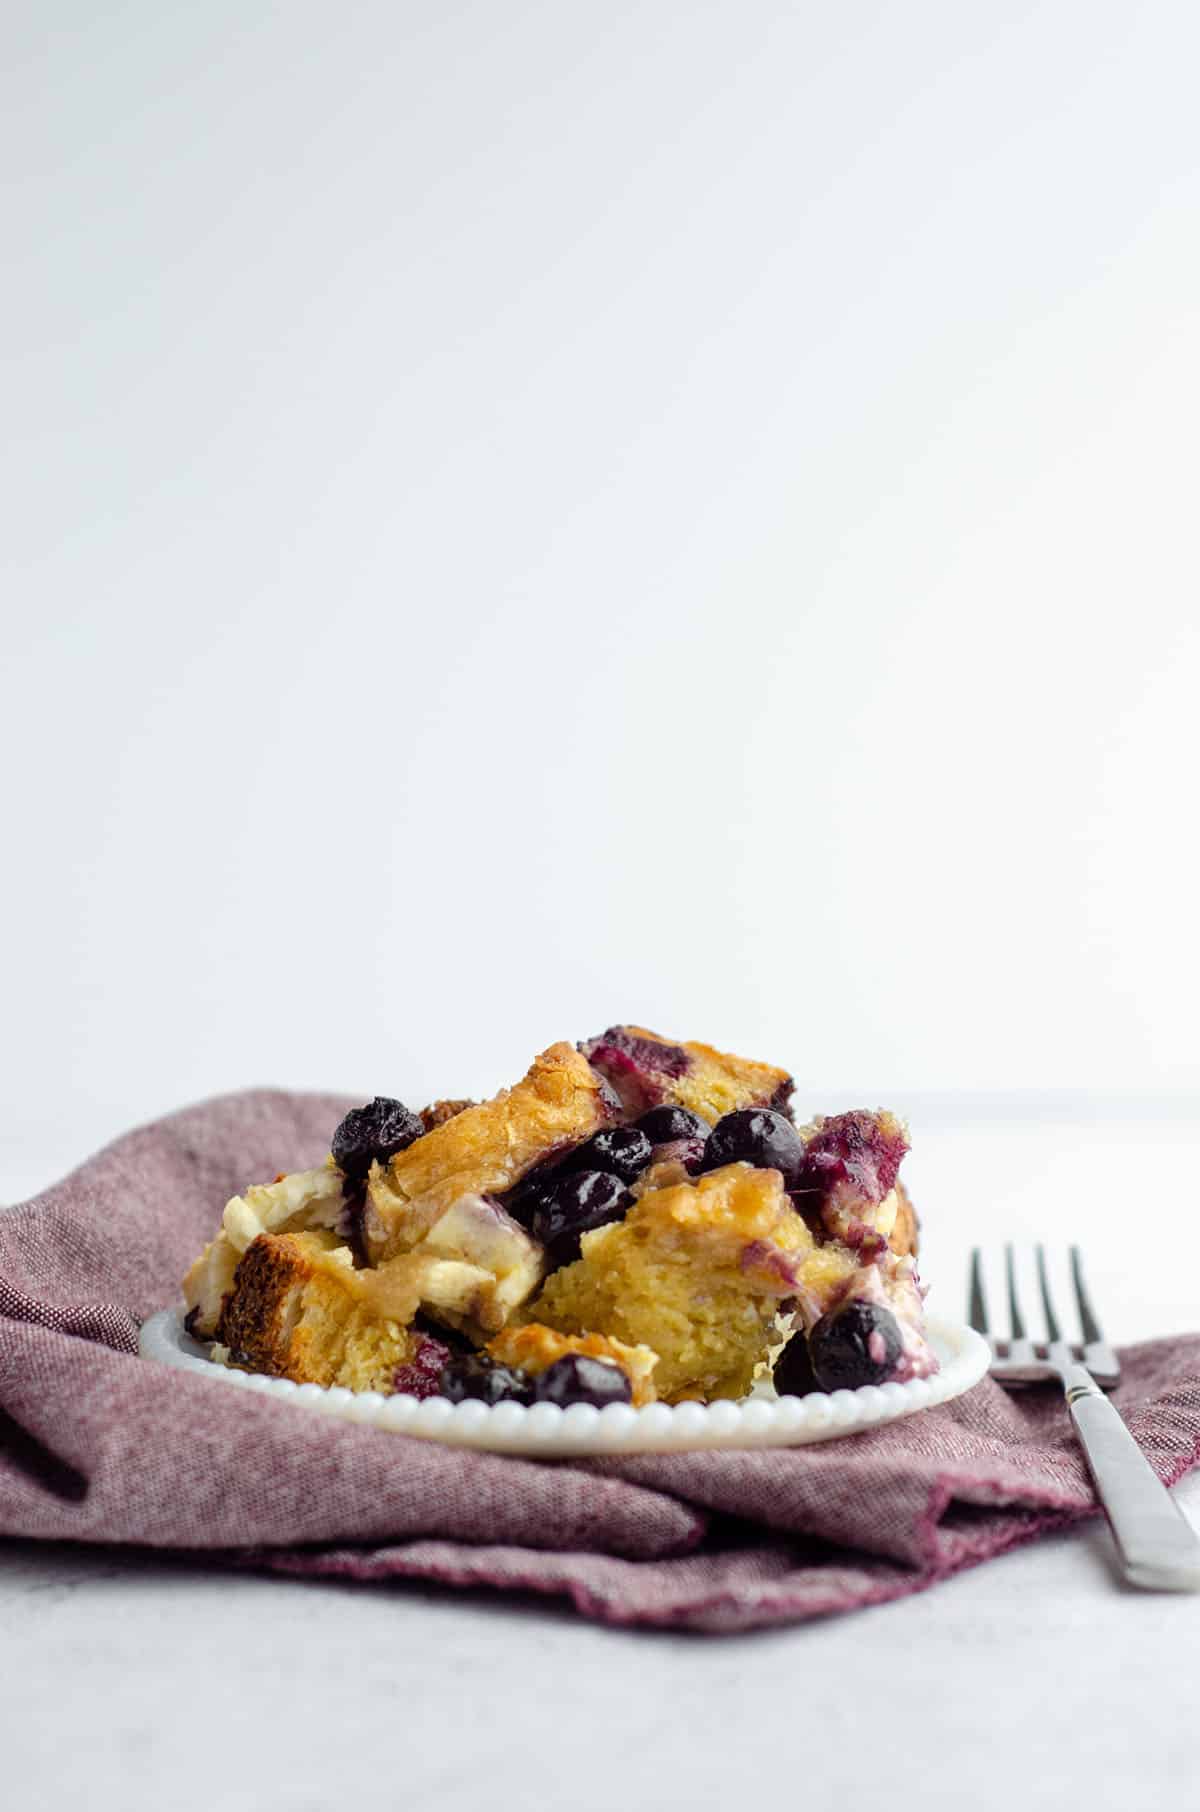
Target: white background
[[519, 516]]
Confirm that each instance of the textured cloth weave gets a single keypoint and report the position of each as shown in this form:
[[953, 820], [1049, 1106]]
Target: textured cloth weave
[[97, 1445]]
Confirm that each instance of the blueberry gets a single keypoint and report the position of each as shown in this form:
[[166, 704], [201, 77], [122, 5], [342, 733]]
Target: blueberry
[[577, 1379], [756, 1135], [794, 1375], [378, 1130], [859, 1148], [453, 1339], [688, 1152], [858, 1344], [571, 1205], [623, 1150], [421, 1375], [471, 1378], [663, 1125]]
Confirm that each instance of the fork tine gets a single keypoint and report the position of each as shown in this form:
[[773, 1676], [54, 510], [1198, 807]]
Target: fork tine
[[977, 1313], [1087, 1318], [1052, 1327], [1014, 1307]]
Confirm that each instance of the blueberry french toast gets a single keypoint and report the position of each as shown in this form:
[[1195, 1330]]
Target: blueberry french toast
[[635, 1220]]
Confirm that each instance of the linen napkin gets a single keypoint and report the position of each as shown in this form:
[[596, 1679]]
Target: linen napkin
[[97, 1445]]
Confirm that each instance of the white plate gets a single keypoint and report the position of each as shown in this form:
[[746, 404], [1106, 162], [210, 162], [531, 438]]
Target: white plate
[[761, 1420]]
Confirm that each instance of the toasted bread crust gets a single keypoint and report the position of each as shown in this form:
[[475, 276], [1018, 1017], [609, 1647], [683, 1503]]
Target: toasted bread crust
[[484, 1149], [298, 1310], [293, 1202], [259, 1311]]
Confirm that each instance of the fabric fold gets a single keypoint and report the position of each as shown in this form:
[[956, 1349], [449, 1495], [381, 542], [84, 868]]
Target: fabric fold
[[98, 1446]]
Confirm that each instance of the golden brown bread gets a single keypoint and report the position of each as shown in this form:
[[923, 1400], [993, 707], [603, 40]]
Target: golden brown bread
[[696, 1271], [648, 1070], [534, 1349], [484, 1149], [303, 1199], [688, 1293], [299, 1310]]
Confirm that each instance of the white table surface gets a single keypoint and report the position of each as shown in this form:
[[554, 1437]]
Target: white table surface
[[1032, 1682]]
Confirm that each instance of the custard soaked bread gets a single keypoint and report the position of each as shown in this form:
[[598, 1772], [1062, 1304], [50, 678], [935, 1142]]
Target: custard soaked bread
[[636, 1218], [300, 1310], [696, 1272]]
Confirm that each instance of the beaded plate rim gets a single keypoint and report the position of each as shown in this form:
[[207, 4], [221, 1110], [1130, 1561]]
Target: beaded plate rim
[[546, 1431]]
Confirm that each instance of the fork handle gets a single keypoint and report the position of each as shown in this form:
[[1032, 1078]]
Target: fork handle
[[1158, 1548]]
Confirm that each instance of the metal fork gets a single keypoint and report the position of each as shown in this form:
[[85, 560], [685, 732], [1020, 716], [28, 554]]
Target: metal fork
[[1157, 1546]]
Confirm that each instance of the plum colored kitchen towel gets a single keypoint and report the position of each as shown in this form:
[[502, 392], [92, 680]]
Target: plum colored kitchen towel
[[97, 1445]]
